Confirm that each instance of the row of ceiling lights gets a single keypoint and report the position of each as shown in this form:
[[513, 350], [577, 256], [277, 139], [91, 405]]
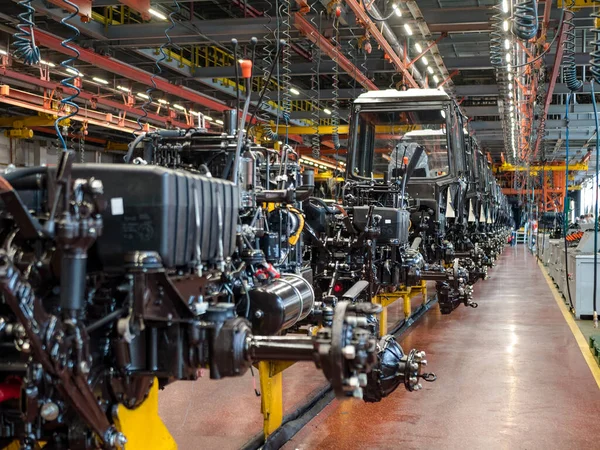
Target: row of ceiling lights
[[512, 111]]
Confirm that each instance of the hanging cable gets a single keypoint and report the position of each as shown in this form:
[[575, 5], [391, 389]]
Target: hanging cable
[[69, 107], [525, 22], [570, 72], [335, 114], [315, 87], [566, 203], [387, 13], [25, 47], [286, 77], [497, 36], [595, 288]]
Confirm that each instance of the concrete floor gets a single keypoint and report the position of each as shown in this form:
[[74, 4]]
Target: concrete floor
[[510, 376]]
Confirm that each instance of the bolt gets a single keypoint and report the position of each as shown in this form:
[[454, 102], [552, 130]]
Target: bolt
[[259, 314], [349, 352], [84, 367], [414, 366], [419, 386], [49, 411], [412, 381], [424, 362], [362, 379]]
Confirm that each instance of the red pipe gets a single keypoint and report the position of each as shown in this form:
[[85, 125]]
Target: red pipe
[[125, 70], [7, 73]]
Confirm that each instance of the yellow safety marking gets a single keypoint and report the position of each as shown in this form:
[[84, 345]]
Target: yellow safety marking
[[271, 399], [579, 337], [143, 427]]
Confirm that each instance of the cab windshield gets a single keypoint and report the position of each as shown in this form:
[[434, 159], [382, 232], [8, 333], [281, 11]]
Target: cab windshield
[[386, 140]]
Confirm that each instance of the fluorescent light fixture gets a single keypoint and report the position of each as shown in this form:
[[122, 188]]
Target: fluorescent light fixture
[[510, 85], [510, 94], [327, 111], [443, 113], [505, 6], [157, 14], [208, 118], [220, 122], [3, 52], [506, 44], [397, 9], [294, 91], [100, 80], [75, 72], [162, 101], [176, 106], [430, 69], [142, 95], [505, 25], [424, 59], [124, 89], [194, 113], [436, 79], [418, 47], [510, 77], [508, 57], [408, 29], [47, 63]]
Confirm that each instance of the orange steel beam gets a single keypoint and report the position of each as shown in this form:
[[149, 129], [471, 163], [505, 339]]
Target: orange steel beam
[[361, 15], [426, 50], [125, 70], [313, 35], [164, 121], [448, 78], [84, 6], [34, 102]]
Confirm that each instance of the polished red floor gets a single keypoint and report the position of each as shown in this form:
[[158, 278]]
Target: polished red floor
[[510, 376]]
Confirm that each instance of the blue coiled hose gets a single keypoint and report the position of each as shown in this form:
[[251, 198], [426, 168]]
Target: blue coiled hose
[[569, 49], [67, 64], [25, 47], [497, 51], [525, 23]]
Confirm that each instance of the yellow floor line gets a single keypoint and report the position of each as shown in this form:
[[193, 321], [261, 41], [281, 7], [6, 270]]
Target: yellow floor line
[[579, 337]]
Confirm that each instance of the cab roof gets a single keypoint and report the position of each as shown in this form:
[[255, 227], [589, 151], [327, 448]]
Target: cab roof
[[410, 95]]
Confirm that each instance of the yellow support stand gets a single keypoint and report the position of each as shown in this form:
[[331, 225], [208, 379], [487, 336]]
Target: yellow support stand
[[143, 427], [271, 399], [406, 294]]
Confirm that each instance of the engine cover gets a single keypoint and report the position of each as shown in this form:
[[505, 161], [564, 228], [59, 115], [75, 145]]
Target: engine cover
[[394, 223], [151, 208]]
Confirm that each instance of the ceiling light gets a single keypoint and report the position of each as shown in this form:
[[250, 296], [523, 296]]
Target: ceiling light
[[220, 122], [162, 101], [424, 60], [443, 113], [47, 63], [408, 30], [176, 106], [327, 111], [510, 94], [157, 14], [418, 48], [505, 6], [510, 77], [100, 80], [510, 85], [75, 72], [194, 113], [125, 89], [294, 91], [208, 118], [508, 57], [505, 25], [506, 44], [3, 52], [435, 78], [398, 12], [508, 67], [430, 69], [144, 96]]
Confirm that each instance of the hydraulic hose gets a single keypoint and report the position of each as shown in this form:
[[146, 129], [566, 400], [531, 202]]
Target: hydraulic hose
[[25, 47], [595, 288], [525, 24], [566, 203], [569, 49]]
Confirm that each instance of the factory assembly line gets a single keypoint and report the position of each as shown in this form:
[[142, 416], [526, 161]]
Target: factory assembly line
[[153, 291]]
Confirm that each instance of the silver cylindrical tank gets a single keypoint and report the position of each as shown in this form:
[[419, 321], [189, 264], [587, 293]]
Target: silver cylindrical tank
[[281, 304]]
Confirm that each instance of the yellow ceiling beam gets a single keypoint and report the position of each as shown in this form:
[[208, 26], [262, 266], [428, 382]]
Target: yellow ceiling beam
[[549, 168]]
